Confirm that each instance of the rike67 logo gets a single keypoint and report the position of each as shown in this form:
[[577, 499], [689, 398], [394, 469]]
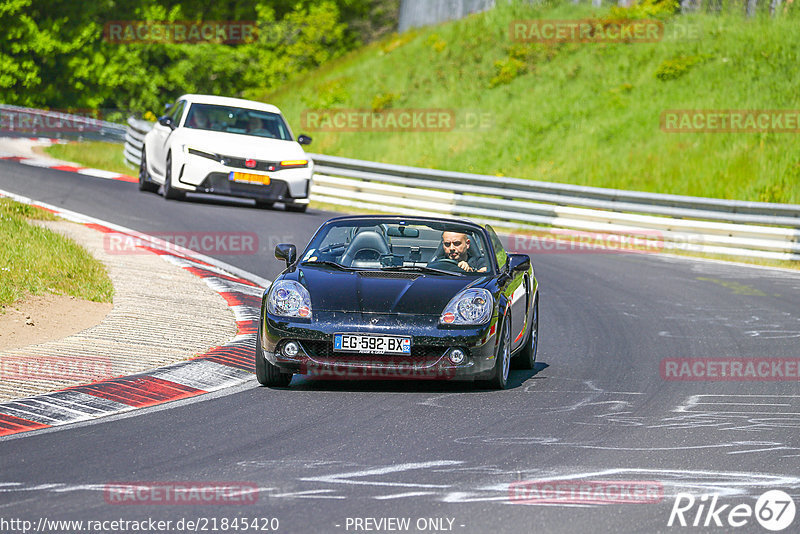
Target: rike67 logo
[[774, 510]]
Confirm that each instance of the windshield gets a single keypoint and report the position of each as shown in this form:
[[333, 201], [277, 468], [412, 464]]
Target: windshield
[[237, 120], [435, 246]]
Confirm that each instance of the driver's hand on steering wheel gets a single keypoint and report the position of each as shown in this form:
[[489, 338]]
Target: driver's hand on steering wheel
[[466, 267]]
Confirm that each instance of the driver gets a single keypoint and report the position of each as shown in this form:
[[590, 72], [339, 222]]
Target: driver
[[254, 125], [262, 127], [198, 119], [456, 246]]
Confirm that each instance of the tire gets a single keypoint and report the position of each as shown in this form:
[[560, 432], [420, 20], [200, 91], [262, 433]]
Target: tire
[[264, 204], [297, 208], [527, 356], [502, 364], [145, 184], [170, 193], [266, 373]]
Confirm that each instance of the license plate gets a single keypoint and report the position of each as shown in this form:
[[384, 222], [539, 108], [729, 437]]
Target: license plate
[[248, 178], [371, 344]]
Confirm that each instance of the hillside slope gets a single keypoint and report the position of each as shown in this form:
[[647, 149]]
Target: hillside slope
[[582, 113]]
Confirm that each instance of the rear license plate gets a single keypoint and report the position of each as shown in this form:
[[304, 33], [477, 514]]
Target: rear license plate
[[248, 178], [371, 344]]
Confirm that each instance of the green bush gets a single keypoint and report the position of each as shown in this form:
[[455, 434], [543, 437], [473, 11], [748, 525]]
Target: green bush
[[328, 94], [646, 9], [53, 53], [672, 69], [506, 70], [383, 101]]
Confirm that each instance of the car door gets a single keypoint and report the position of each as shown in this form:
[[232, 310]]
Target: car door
[[515, 290], [161, 137]]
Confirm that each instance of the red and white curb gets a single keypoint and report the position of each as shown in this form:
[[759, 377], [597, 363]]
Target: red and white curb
[[50, 164], [220, 367], [50, 140]]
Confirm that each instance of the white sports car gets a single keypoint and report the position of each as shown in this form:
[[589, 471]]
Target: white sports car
[[226, 146]]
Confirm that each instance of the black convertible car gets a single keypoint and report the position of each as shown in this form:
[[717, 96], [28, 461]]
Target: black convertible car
[[392, 297]]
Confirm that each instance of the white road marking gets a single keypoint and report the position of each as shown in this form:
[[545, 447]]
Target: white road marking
[[347, 478], [403, 495]]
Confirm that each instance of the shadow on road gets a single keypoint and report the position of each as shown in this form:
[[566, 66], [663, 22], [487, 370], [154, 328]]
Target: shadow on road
[[516, 379]]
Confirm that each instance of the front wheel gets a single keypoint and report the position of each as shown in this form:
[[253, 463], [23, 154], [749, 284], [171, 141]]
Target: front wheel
[[297, 208], [170, 193], [144, 177], [266, 373], [503, 357], [527, 356]]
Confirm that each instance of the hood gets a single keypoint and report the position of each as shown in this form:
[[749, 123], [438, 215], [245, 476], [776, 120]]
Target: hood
[[380, 292], [242, 146]]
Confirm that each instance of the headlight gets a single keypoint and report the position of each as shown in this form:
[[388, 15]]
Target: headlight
[[291, 163], [288, 298], [469, 307], [202, 154]]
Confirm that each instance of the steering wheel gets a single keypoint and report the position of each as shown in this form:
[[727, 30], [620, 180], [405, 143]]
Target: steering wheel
[[446, 264], [445, 260]]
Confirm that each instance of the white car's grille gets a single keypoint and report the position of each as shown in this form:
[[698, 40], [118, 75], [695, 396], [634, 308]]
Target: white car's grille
[[241, 163]]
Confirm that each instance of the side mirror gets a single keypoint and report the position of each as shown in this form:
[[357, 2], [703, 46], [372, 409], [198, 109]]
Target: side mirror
[[519, 262], [166, 120], [286, 252], [304, 139]]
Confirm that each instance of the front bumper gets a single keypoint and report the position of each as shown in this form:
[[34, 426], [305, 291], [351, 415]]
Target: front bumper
[[203, 175], [276, 191], [430, 347]]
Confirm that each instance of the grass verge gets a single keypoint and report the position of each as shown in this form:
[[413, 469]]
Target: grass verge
[[94, 154], [35, 260]]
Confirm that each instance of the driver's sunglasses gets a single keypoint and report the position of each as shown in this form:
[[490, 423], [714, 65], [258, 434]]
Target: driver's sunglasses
[[454, 243]]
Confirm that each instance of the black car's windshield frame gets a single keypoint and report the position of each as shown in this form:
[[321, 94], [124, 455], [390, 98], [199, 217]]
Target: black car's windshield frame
[[417, 240]]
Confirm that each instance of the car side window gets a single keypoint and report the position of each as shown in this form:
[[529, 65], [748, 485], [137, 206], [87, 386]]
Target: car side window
[[499, 251], [177, 112]]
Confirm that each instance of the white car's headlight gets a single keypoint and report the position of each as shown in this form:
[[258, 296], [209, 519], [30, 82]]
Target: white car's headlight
[[201, 153], [470, 307], [288, 298]]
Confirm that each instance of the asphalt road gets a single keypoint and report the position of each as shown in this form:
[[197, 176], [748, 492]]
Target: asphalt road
[[326, 456]]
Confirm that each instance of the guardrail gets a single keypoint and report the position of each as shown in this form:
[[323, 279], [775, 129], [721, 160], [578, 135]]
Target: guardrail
[[23, 122], [134, 140], [706, 225]]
